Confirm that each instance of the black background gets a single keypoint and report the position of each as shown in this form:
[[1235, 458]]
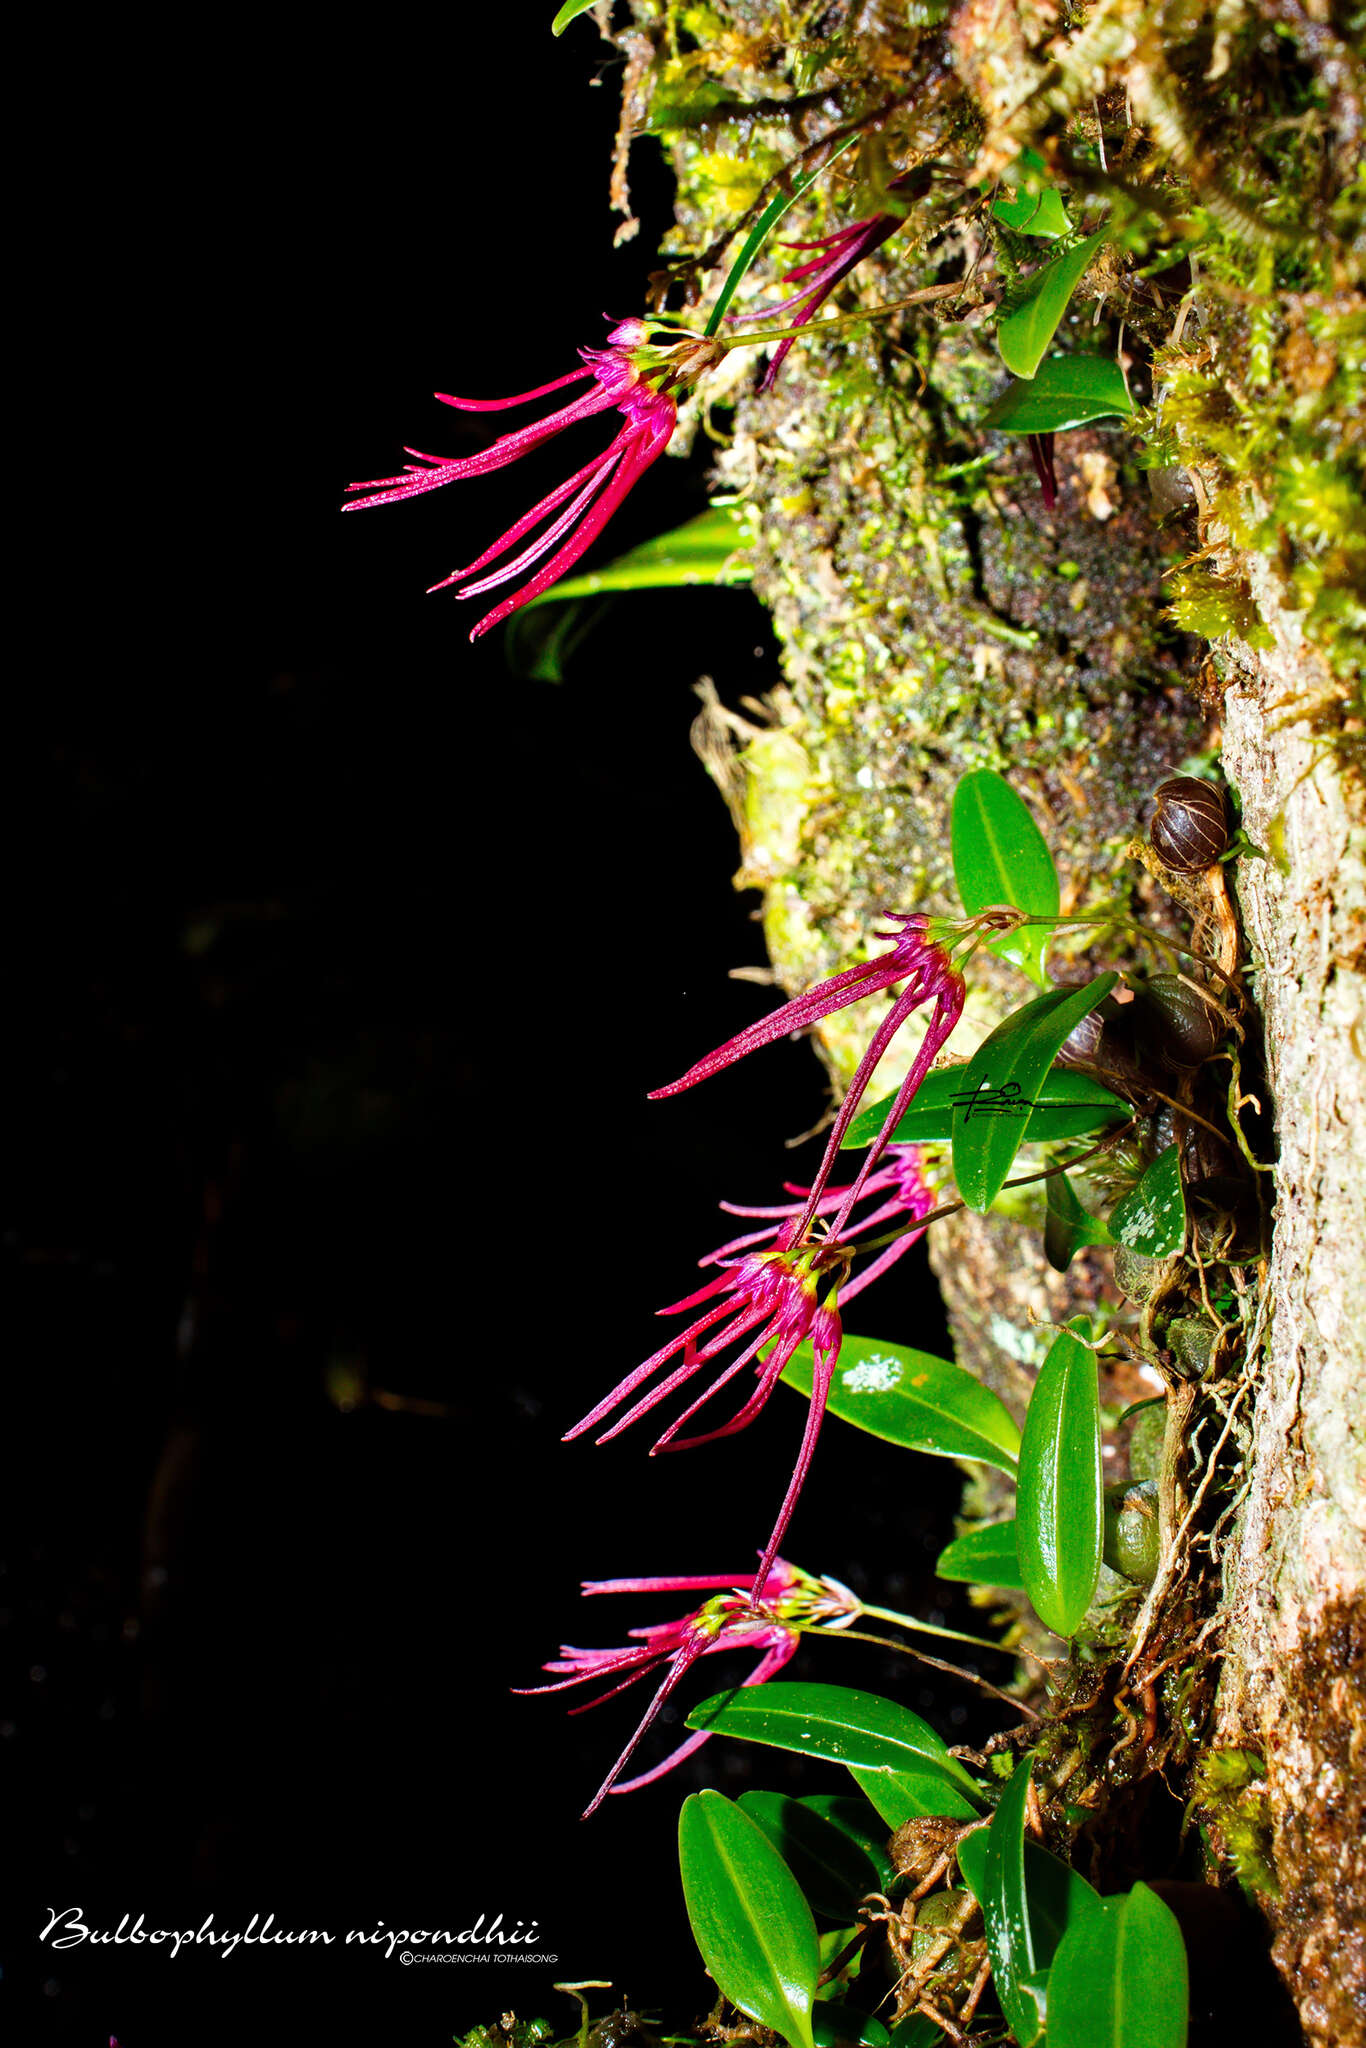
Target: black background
[[344, 959]]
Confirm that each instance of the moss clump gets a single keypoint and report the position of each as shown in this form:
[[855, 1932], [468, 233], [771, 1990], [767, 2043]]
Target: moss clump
[[1229, 1794]]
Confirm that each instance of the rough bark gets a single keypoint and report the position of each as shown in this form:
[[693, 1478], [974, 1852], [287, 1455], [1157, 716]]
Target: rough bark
[[1294, 1682], [930, 626]]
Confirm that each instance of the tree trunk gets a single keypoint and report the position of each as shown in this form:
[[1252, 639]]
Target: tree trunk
[[935, 617]]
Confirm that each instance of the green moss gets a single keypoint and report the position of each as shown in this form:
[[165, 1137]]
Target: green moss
[[1229, 1791], [1213, 606]]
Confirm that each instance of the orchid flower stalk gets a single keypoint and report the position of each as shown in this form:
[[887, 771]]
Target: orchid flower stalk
[[767, 1613]]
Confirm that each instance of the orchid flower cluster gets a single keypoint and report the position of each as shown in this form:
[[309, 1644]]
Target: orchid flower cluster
[[634, 375], [775, 1289], [778, 1287]]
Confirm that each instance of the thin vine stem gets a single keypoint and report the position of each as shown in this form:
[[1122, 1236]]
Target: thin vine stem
[[1024, 1180], [858, 1635]]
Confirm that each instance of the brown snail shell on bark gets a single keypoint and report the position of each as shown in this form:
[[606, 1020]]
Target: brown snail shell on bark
[[1189, 830], [1177, 1022]]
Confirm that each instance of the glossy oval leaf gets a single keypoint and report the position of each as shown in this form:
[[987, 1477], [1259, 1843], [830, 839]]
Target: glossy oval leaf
[[748, 1916], [900, 1796], [1152, 1216], [1001, 856], [702, 550], [913, 1399], [1065, 391], [861, 1821], [1005, 1908], [1002, 1081], [1070, 1103], [1059, 1500], [834, 2023], [834, 1722], [984, 1557], [1119, 1979], [1024, 333], [1069, 1228], [1058, 1895], [833, 1870]]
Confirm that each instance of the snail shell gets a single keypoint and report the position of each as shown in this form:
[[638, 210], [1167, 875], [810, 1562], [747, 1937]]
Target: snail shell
[[1182, 1028], [1189, 829]]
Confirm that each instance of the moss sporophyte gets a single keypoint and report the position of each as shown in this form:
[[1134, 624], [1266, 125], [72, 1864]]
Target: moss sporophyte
[[767, 1613]]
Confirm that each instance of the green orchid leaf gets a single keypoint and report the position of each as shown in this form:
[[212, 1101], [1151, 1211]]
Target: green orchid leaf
[[1058, 1895], [1065, 391], [984, 1557], [913, 1399], [702, 550], [834, 1722], [748, 1916], [1119, 1978], [861, 1821], [1152, 1216], [1060, 1507], [571, 11], [834, 2024], [1001, 1083], [1005, 1909], [833, 1869], [1000, 856], [1069, 1228], [1025, 332], [900, 1796], [1068, 1105]]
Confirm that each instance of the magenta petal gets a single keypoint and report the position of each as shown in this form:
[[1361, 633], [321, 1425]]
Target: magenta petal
[[820, 1390], [686, 1657], [647, 449], [834, 994], [771, 1662], [529, 519], [711, 1582], [555, 532], [522, 397]]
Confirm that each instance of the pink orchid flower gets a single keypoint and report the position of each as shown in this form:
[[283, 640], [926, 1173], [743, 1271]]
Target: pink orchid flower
[[768, 1621], [766, 1301], [632, 376]]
